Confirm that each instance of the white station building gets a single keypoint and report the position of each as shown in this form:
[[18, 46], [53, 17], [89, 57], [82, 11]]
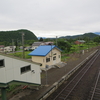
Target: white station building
[[14, 69]]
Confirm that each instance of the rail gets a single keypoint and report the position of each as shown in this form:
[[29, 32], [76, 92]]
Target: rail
[[66, 91], [70, 73], [95, 94]]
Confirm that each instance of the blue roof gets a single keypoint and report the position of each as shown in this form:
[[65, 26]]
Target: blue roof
[[43, 50]]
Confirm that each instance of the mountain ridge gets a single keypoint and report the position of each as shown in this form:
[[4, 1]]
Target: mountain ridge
[[6, 37], [90, 35], [16, 34]]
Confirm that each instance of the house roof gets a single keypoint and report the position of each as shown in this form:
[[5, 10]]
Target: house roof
[[82, 41], [43, 50], [37, 43], [1, 46], [48, 43]]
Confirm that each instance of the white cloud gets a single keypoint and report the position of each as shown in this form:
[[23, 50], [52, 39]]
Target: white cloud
[[51, 17]]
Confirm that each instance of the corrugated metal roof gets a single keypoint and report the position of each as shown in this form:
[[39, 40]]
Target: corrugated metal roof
[[37, 43], [81, 40], [43, 50]]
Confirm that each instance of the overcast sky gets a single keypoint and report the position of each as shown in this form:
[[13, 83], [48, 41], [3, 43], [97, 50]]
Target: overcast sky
[[50, 18]]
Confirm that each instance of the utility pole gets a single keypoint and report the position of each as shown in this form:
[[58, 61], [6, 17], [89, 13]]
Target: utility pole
[[46, 75], [51, 51], [23, 44], [56, 40], [12, 45]]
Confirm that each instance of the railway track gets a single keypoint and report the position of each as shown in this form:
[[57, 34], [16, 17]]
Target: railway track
[[65, 93], [95, 91]]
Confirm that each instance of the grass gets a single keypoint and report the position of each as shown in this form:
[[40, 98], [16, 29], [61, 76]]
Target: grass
[[64, 58], [77, 49], [20, 54], [12, 87], [74, 48]]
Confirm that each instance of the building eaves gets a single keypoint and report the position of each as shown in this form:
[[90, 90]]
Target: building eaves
[[43, 50]]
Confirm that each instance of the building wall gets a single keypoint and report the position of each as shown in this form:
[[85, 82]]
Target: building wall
[[12, 71], [42, 59], [39, 59]]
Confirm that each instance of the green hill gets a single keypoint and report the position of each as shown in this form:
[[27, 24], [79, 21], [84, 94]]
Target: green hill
[[7, 36], [90, 35]]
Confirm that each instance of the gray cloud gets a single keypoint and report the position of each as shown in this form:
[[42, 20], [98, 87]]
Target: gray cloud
[[51, 16]]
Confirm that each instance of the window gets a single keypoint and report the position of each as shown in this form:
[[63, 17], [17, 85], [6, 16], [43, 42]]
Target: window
[[59, 56], [54, 54], [47, 59], [40, 64], [2, 63], [25, 69], [54, 58]]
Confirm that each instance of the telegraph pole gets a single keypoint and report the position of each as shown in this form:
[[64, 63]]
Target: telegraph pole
[[13, 45], [23, 44], [56, 40]]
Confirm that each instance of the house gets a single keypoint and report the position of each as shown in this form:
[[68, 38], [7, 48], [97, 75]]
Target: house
[[16, 70], [9, 48], [47, 55], [49, 43], [79, 42], [1, 48], [36, 44], [27, 48]]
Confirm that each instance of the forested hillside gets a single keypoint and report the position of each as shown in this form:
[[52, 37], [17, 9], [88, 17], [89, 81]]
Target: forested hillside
[[6, 37], [90, 35]]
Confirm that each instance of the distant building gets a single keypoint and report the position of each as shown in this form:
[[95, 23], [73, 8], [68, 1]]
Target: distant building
[[27, 48], [47, 55], [9, 48], [49, 43], [1, 48], [36, 44], [79, 42]]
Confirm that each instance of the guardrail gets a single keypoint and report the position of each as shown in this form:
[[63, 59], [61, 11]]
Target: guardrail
[[64, 78]]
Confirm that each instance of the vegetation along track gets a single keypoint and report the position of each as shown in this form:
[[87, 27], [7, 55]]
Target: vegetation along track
[[68, 90]]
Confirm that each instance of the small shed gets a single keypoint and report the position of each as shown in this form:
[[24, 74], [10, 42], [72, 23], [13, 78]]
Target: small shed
[[47, 55]]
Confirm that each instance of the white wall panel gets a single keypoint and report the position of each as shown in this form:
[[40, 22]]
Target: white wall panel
[[2, 75], [23, 77], [9, 75], [8, 63], [12, 68]]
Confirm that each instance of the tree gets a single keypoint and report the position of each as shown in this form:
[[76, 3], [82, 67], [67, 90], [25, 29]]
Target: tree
[[97, 39], [7, 36], [41, 39], [29, 42], [64, 45]]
